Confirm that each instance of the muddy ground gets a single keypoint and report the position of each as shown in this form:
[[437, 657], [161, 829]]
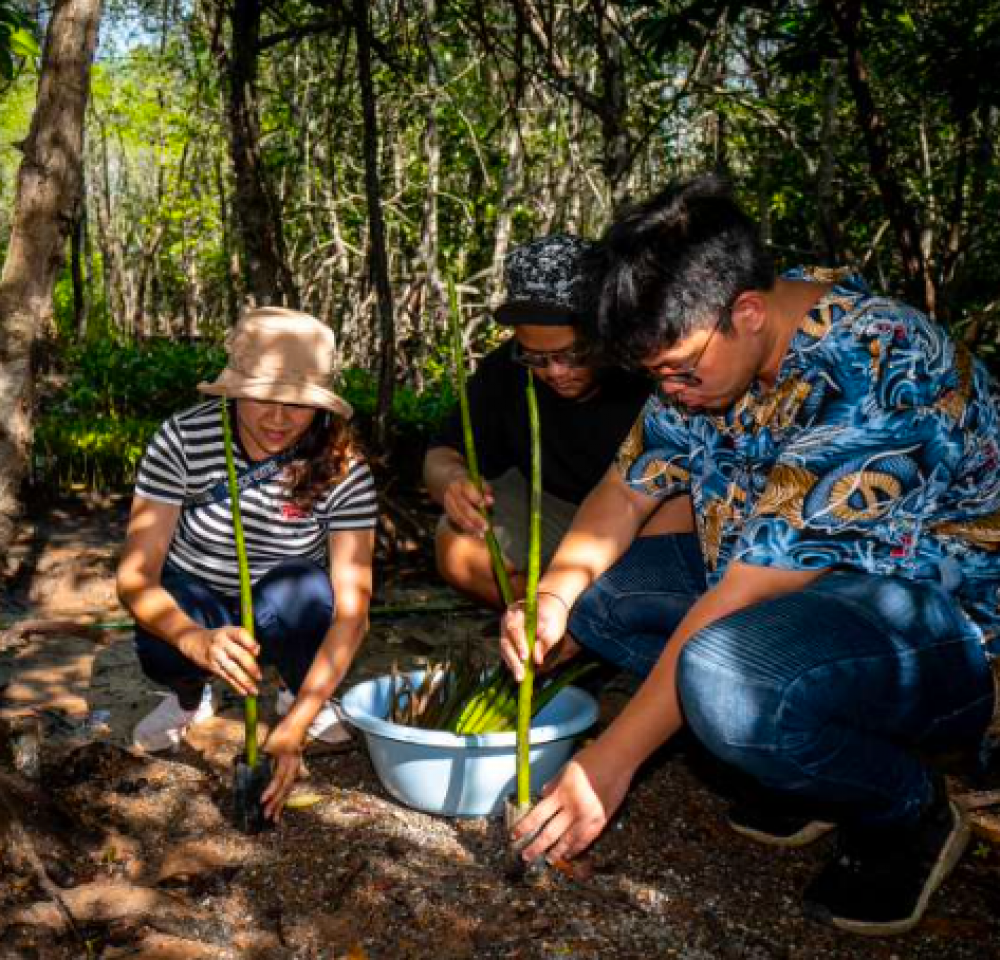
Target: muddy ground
[[112, 855]]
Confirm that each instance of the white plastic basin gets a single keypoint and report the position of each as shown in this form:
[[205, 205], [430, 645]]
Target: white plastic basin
[[443, 773]]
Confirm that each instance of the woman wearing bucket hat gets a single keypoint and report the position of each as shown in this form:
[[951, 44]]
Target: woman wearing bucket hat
[[308, 504]]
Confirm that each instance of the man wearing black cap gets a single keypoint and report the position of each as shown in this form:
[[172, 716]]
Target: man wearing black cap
[[585, 412]]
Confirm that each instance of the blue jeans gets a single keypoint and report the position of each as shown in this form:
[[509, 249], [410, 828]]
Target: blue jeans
[[293, 608], [830, 693]]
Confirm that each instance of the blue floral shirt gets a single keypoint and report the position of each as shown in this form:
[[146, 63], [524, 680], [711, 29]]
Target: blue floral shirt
[[876, 450]]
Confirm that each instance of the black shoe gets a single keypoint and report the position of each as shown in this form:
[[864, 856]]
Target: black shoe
[[879, 882], [775, 826]]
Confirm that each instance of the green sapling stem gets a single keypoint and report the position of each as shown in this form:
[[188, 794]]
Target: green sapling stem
[[524, 692], [246, 599], [471, 460]]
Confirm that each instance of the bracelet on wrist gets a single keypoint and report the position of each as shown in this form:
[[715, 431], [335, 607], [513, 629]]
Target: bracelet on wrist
[[541, 593], [549, 593]]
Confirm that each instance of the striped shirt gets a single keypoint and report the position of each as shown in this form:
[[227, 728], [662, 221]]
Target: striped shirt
[[187, 457]]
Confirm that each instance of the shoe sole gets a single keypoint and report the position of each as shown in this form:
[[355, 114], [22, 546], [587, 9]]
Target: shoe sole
[[950, 854], [810, 833]]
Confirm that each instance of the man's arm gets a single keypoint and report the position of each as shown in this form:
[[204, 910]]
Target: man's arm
[[579, 803], [602, 530]]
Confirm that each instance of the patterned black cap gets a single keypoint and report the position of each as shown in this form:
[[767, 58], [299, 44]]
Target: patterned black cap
[[545, 283]]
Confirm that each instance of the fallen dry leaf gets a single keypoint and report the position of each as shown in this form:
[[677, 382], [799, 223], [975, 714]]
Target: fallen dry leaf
[[302, 801]]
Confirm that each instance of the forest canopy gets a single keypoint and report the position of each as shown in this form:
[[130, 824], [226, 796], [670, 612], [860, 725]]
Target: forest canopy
[[349, 157]]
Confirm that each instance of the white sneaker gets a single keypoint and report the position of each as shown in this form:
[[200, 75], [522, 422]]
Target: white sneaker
[[328, 725], [164, 727]]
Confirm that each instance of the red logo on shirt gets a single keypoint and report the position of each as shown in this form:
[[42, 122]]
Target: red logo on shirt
[[290, 511]]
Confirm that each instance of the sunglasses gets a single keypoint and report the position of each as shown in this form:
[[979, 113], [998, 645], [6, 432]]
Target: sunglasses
[[540, 359], [688, 377]]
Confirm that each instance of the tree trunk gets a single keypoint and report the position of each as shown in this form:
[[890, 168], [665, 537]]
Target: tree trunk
[[269, 281], [49, 184], [230, 255], [112, 257], [432, 153], [510, 185], [617, 160], [377, 252], [847, 15], [78, 272]]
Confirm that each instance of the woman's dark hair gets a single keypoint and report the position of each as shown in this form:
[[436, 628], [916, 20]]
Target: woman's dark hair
[[325, 457], [672, 264]]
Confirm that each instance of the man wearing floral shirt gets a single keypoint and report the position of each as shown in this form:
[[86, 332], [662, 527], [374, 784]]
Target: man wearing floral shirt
[[832, 620]]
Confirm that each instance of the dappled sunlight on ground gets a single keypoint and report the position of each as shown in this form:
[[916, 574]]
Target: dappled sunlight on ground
[[149, 864]]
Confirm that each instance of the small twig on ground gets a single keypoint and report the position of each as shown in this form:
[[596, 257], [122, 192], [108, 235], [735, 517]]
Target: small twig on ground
[[343, 886]]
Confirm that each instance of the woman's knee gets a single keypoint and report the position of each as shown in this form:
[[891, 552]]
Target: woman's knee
[[295, 597], [162, 662], [199, 601], [298, 577]]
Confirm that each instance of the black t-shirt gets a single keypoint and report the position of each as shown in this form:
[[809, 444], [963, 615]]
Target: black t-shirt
[[579, 437]]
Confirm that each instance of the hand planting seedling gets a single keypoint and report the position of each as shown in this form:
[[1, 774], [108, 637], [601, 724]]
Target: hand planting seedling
[[252, 770], [486, 703], [471, 771], [516, 867]]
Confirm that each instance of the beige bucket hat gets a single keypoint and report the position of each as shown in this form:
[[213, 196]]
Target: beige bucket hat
[[281, 356]]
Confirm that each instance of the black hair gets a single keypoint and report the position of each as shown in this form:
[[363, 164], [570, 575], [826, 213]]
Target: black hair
[[671, 265]]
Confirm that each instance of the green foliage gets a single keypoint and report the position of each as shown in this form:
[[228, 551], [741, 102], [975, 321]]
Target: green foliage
[[98, 453], [758, 89], [145, 380], [94, 426], [412, 412], [466, 699], [18, 43]]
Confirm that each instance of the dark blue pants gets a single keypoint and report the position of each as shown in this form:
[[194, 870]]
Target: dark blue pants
[[831, 693], [293, 608]]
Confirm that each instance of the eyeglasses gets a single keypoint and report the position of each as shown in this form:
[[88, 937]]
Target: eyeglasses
[[688, 377], [540, 359]]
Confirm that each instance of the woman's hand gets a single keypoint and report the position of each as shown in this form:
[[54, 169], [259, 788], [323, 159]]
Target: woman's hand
[[229, 653], [576, 806], [553, 615], [463, 504], [284, 747]]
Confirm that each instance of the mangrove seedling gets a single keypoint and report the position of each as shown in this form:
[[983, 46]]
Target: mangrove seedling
[[471, 460], [252, 771], [463, 697], [526, 688], [515, 865]]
